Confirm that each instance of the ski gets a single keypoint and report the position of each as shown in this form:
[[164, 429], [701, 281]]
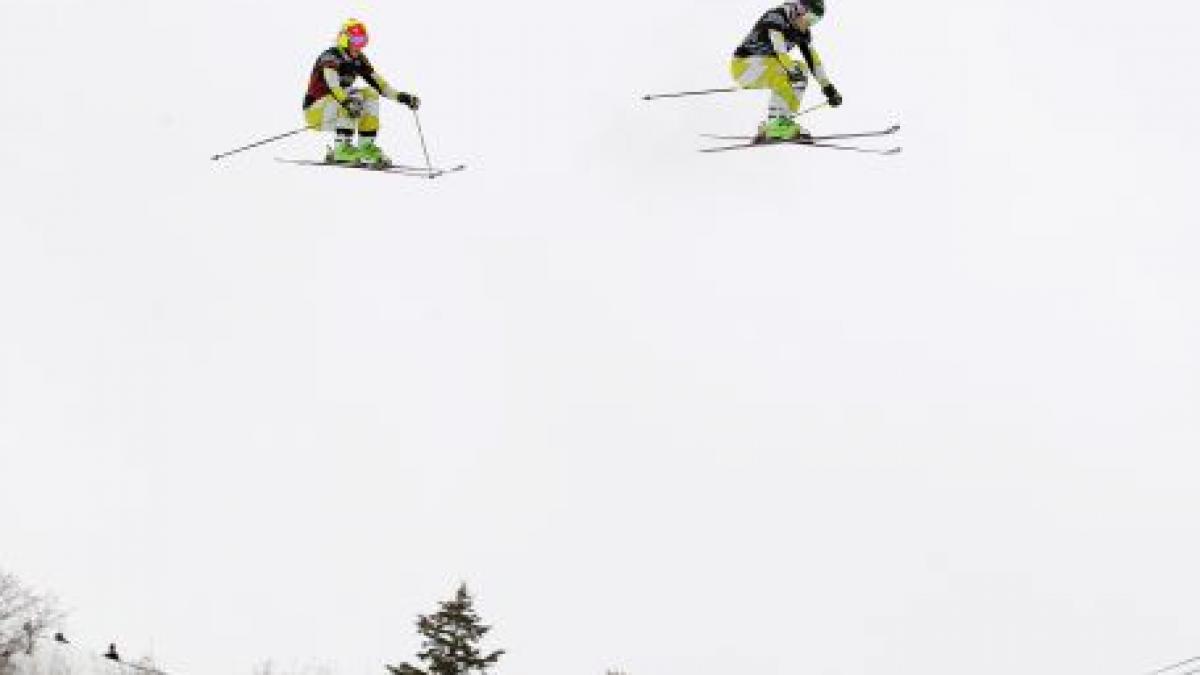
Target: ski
[[824, 137], [399, 169], [833, 146]]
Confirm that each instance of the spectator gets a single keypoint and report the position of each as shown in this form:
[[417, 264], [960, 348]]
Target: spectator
[[112, 653], [59, 637]]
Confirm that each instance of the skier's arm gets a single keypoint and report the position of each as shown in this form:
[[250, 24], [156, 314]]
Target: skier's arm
[[818, 69], [780, 44], [387, 91], [815, 66], [334, 82]]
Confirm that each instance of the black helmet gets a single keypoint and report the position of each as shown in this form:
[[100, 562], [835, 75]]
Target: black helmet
[[797, 8]]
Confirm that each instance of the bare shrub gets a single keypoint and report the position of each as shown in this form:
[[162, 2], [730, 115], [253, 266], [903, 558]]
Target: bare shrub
[[25, 615]]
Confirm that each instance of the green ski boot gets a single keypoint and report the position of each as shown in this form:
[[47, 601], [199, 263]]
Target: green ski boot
[[343, 152], [781, 129], [371, 154]]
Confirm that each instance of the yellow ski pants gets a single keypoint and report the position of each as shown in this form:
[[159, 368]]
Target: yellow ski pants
[[326, 114], [769, 72]]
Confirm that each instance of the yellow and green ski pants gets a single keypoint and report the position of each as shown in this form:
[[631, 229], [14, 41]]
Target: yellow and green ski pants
[[326, 114], [770, 72]]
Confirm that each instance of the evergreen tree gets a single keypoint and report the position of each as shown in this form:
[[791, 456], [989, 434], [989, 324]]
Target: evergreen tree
[[450, 641]]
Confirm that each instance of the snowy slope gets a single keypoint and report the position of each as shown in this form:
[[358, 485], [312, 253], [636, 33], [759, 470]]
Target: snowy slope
[[52, 658]]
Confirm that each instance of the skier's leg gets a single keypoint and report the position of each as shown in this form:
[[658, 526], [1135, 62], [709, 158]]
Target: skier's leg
[[368, 129], [368, 122], [749, 71], [797, 84], [778, 106], [323, 114], [326, 114], [766, 72]]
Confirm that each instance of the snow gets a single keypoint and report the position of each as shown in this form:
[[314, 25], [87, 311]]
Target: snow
[[53, 658]]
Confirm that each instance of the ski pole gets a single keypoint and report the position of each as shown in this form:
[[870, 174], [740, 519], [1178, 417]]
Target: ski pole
[[701, 92], [424, 148], [809, 109], [258, 143]]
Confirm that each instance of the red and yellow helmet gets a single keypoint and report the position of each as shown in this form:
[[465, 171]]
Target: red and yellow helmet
[[353, 35]]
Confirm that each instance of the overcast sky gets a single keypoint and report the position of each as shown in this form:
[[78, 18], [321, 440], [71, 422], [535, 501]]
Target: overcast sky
[[785, 411]]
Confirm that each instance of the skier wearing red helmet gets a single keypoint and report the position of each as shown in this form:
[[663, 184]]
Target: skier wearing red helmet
[[333, 103]]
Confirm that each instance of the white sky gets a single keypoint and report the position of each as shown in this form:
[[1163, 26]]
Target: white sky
[[782, 411]]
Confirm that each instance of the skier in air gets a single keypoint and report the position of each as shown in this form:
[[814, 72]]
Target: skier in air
[[333, 103], [763, 61]]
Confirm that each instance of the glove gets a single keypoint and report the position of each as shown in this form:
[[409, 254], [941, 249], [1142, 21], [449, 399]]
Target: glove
[[832, 95], [797, 74], [353, 106], [409, 100]]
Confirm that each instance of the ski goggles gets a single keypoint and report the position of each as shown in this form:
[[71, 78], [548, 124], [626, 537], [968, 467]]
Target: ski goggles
[[810, 17], [798, 11], [357, 41]]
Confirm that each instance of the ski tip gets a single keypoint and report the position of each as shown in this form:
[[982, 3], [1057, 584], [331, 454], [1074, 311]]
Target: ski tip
[[894, 128], [894, 151]]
